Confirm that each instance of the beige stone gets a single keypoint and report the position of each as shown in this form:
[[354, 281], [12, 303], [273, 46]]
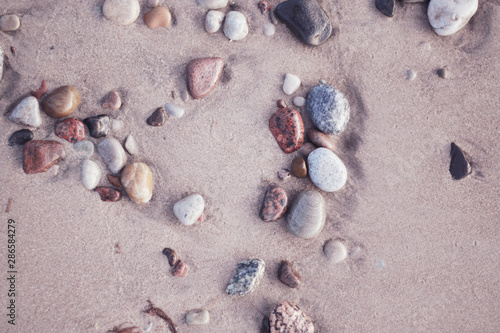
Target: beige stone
[[158, 17], [9, 23], [61, 102], [137, 179]]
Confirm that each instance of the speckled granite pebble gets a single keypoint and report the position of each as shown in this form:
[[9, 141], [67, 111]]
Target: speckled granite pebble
[[248, 275]]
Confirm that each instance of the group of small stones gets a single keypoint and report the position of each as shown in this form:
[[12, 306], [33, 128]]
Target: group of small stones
[[327, 107]]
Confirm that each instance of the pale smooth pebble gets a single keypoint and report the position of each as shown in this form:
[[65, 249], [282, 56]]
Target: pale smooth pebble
[[268, 29], [197, 317], [131, 145], [449, 16], [213, 21], [235, 26], [174, 110], [137, 180], [112, 153], [121, 12], [9, 23], [27, 112], [84, 149], [335, 251], [326, 170], [91, 174], [307, 214], [213, 4], [291, 84], [189, 209], [299, 101]]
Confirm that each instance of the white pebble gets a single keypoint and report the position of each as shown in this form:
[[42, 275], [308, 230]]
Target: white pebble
[[112, 153], [299, 101], [27, 112], [212, 4], [235, 26], [91, 174], [326, 170], [335, 251], [411, 75], [449, 16], [189, 209], [174, 110], [121, 12], [291, 84], [131, 145], [268, 29], [198, 317], [9, 23], [213, 21]]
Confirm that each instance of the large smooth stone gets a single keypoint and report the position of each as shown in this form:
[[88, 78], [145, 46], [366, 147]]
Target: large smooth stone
[[459, 165], [306, 19], [41, 155], [275, 203], [386, 7], [289, 318], [449, 16], [137, 179], [9, 23], [213, 21], [203, 74], [235, 26], [99, 126], [112, 153], [288, 129], [189, 209], [20, 137], [61, 102], [121, 12], [91, 174], [328, 108], [247, 277], [212, 4], [307, 215], [326, 170], [27, 112], [71, 130]]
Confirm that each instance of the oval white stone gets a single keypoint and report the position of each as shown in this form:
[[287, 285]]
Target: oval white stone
[[189, 209], [291, 84], [121, 12], [175, 110], [213, 4], [326, 170], [27, 112], [235, 26], [112, 153], [299, 101], [91, 174], [335, 251], [449, 16], [213, 21]]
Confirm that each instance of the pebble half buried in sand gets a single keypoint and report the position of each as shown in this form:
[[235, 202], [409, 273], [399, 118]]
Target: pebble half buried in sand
[[213, 21], [174, 110], [287, 317], [235, 26], [121, 12], [27, 112], [91, 174], [328, 108], [61, 102], [247, 277], [158, 17], [307, 215], [108, 193], [326, 170], [198, 317], [41, 155], [203, 75], [137, 179], [288, 129], [84, 149], [449, 16], [189, 209], [275, 203], [112, 153]]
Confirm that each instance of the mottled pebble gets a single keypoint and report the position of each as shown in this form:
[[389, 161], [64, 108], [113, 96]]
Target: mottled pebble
[[121, 12], [326, 170], [189, 209], [203, 75], [212, 4], [299, 167], [99, 126], [247, 277], [71, 130], [171, 256], [180, 269], [444, 73], [291, 84], [320, 139], [131, 145], [91, 174], [61, 102], [158, 17], [307, 215], [157, 118], [268, 29], [386, 7], [459, 165], [335, 251], [289, 318], [235, 26], [114, 180], [198, 317], [9, 23], [275, 203], [112, 153], [109, 193], [328, 108], [449, 16], [20, 137], [299, 101], [84, 149], [27, 112], [288, 275], [174, 110], [137, 179], [112, 101], [41, 155], [411, 75], [213, 21], [288, 129], [264, 6], [284, 174], [40, 91]]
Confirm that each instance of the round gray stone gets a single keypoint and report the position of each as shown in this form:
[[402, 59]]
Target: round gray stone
[[328, 108]]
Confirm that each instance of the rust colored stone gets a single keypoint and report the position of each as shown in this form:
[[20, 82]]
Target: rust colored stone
[[203, 75], [299, 167], [288, 129], [180, 269], [71, 130], [114, 180], [264, 6], [288, 275], [108, 193], [171, 256], [282, 103], [275, 203], [320, 139], [40, 91], [41, 155]]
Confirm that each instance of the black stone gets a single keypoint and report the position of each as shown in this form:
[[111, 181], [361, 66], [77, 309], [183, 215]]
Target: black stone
[[20, 137], [306, 19], [459, 166], [158, 117], [99, 126], [386, 7]]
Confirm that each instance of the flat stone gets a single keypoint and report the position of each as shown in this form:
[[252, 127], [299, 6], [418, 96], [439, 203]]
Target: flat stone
[[137, 179], [198, 317], [109, 193], [287, 317], [299, 167], [158, 117], [213, 21], [203, 75], [291, 84], [158, 17], [288, 129], [189, 209], [275, 203], [27, 112], [99, 126], [112, 101], [288, 275], [212, 4], [328, 108], [61, 102], [320, 139], [171, 256], [459, 165], [299, 101], [84, 149], [386, 7], [20, 137], [235, 26], [335, 251], [91, 174], [112, 153], [131, 145], [41, 155], [71, 130], [449, 16], [306, 19], [9, 23], [247, 278], [180, 269], [307, 215], [268, 29], [174, 110], [121, 12], [326, 170]]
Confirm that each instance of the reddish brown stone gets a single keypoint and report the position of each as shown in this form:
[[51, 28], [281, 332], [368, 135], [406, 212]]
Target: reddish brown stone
[[41, 155], [282, 103], [320, 139], [180, 269], [71, 130], [288, 275], [203, 74], [275, 203], [299, 167], [202, 217], [41, 91], [288, 129], [264, 6], [108, 193], [114, 180], [171, 256], [287, 317]]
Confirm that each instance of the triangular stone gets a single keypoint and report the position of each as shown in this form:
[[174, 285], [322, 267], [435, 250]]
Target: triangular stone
[[27, 112], [203, 74], [459, 166]]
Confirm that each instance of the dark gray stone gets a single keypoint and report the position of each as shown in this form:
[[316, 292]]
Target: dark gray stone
[[386, 7], [99, 126], [20, 137], [459, 166], [328, 108], [306, 19], [248, 275], [158, 117]]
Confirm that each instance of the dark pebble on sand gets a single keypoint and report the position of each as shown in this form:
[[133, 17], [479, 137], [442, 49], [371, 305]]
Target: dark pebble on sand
[[20, 137]]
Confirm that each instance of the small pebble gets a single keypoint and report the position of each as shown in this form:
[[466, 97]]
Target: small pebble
[[320, 139], [180, 269], [108, 193], [137, 179], [171, 256], [335, 251], [326, 170], [91, 174], [328, 108], [235, 26], [212, 4], [71, 130], [291, 84], [288, 275], [247, 277], [299, 101], [112, 101], [41, 155], [268, 29], [198, 317], [287, 127], [288, 318], [444, 73], [411, 75], [121, 12], [158, 17], [114, 180], [299, 167], [174, 110], [152, 3], [459, 165], [40, 91], [112, 153], [282, 103], [203, 75], [189, 209], [131, 145], [20, 137], [99, 126], [9, 23], [158, 117], [213, 21], [449, 16], [275, 203], [264, 6], [284, 174], [61, 102], [84, 149], [27, 113], [386, 7]]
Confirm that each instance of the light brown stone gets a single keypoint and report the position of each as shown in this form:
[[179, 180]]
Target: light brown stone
[[137, 179], [158, 17], [61, 102]]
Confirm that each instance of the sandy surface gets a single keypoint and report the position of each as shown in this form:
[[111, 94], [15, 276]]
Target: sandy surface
[[424, 249]]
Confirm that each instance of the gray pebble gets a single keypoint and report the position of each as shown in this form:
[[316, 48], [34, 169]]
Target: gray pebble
[[213, 21], [131, 145], [197, 317], [444, 73], [112, 153], [268, 29], [27, 112], [299, 101], [9, 23], [335, 251], [174, 110], [152, 3], [328, 108], [84, 149], [213, 4], [248, 275], [184, 96]]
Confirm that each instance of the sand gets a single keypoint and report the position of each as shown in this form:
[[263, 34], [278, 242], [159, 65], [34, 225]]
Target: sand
[[424, 253]]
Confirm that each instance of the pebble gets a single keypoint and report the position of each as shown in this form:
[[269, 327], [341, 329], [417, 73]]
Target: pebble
[[9, 23], [198, 317], [171, 256], [114, 180], [411, 75], [108, 193], [184, 96], [203, 75], [328, 108], [71, 130], [112, 101], [158, 17], [288, 275], [275, 203], [268, 29], [20, 137], [444, 73], [158, 117], [152, 3], [335, 251], [212, 4], [288, 129], [121, 12], [291, 84], [326, 170], [386, 7], [449, 16], [180, 269], [27, 112], [264, 6], [306, 19], [287, 317], [84, 149], [320, 139], [299, 101], [459, 165], [61, 102], [41, 155], [91, 174], [99, 126], [307, 215], [40, 91], [282, 103], [189, 209], [174, 110], [213, 21], [284, 174], [112, 153], [137, 179], [299, 167], [131, 145], [235, 26], [247, 277]]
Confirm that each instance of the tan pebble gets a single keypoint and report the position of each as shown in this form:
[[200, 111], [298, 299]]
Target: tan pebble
[[9, 23], [320, 139], [112, 101], [299, 167], [158, 17], [61, 102], [137, 180], [335, 251]]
